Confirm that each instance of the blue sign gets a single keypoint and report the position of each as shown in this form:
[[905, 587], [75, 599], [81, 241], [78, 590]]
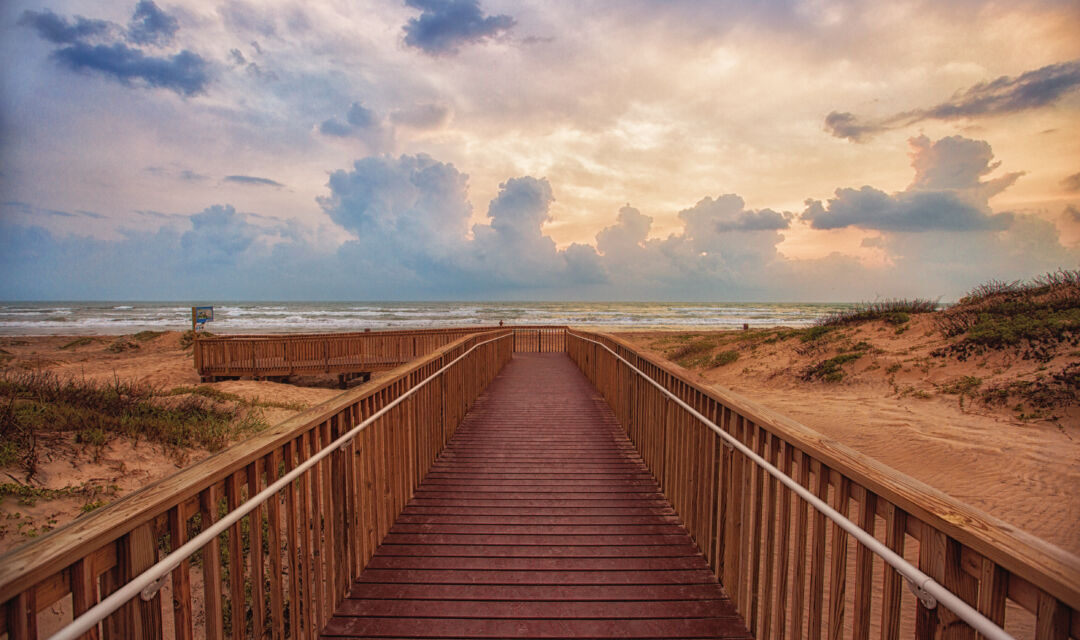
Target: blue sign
[[203, 315]]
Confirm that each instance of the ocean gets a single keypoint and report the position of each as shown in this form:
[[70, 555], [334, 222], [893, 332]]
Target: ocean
[[118, 318]]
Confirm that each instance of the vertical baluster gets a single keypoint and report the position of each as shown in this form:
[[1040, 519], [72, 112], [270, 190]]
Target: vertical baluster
[[931, 562], [273, 538], [773, 449], [993, 590], [315, 523], [255, 537], [327, 557], [964, 586], [864, 567], [838, 578], [236, 560], [786, 496], [895, 528], [754, 548], [181, 575], [22, 616], [296, 541], [817, 560], [746, 544], [1051, 619], [208, 503]]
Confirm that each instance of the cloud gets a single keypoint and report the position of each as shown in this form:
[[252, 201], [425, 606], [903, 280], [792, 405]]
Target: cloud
[[947, 194], [421, 116], [218, 237], [254, 181], [1029, 90], [728, 213], [86, 49], [59, 30], [410, 237], [150, 25], [185, 73], [445, 25], [847, 125], [404, 206], [1071, 183], [361, 123]]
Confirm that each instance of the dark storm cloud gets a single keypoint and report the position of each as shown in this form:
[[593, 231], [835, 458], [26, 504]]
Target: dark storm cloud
[[59, 30], [254, 181], [445, 25], [1029, 90], [98, 46], [151, 25], [185, 73]]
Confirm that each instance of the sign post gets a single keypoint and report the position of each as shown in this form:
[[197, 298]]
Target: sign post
[[199, 317]]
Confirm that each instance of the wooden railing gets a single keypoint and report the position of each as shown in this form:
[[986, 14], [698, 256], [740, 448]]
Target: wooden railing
[[281, 570], [305, 354], [787, 570], [342, 353]]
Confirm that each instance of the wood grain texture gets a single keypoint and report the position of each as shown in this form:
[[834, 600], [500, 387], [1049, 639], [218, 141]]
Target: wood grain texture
[[580, 544]]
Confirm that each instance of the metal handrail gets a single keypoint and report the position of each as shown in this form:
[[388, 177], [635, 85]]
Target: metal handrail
[[149, 582], [928, 590]]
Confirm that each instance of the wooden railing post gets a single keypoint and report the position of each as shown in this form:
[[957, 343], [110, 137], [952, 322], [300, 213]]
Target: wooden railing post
[[138, 552]]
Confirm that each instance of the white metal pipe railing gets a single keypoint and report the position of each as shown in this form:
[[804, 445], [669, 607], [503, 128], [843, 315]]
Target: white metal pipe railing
[[150, 581], [928, 590]]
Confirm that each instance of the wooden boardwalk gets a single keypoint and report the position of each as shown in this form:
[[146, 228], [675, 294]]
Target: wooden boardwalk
[[539, 520]]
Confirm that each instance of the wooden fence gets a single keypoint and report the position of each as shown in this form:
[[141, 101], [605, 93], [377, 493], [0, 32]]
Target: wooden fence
[[789, 572], [298, 553], [278, 355]]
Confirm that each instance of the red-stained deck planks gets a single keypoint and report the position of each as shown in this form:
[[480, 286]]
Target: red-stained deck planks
[[539, 520]]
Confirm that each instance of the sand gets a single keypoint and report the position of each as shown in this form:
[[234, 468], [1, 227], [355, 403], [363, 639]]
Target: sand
[[121, 466], [1021, 469]]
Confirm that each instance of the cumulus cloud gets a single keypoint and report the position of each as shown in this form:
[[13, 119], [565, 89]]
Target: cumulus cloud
[[408, 218], [254, 181], [728, 213], [96, 46], [219, 236], [411, 208], [1029, 90], [947, 194], [443, 26]]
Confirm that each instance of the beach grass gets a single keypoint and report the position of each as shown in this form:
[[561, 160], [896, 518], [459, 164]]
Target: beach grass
[[36, 406]]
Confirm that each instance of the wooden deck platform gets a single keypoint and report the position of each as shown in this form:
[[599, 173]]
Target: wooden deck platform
[[539, 520]]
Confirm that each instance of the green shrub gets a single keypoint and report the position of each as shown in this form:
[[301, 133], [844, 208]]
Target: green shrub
[[79, 342], [830, 370], [725, 357], [37, 403], [894, 312]]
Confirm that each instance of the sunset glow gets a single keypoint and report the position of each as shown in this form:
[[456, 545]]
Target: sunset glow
[[482, 149]]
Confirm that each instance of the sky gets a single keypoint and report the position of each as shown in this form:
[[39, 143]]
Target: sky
[[777, 150]]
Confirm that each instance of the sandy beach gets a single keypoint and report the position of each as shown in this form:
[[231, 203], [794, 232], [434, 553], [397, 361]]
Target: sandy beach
[[897, 404]]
